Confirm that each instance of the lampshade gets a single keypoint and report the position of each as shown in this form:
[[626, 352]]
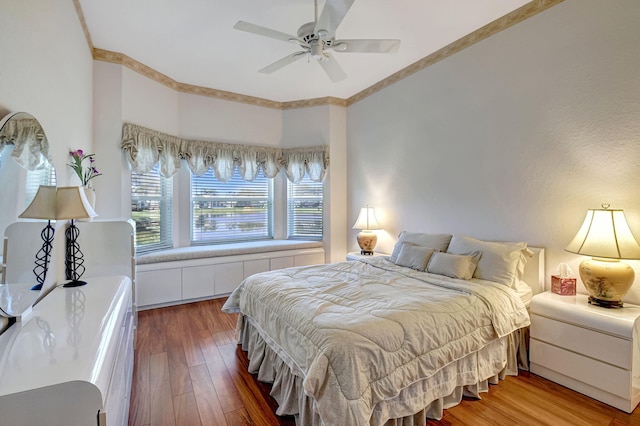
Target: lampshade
[[43, 205], [72, 203], [606, 234], [366, 220], [65, 202]]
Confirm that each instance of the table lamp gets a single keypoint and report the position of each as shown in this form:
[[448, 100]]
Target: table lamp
[[43, 206], [72, 203], [366, 223], [606, 236]]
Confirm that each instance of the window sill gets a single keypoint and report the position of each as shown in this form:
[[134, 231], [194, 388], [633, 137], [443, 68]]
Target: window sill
[[202, 252]]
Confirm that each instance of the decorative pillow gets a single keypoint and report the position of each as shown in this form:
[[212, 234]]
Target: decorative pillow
[[454, 265], [438, 242], [499, 261], [414, 257]]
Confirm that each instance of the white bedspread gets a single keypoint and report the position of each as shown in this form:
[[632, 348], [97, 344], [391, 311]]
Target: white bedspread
[[359, 332]]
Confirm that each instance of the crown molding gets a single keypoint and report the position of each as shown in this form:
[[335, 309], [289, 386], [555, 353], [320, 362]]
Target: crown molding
[[305, 103], [83, 24], [524, 12]]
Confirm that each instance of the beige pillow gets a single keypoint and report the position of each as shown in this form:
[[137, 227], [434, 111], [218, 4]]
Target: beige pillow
[[499, 262], [414, 257], [438, 242], [454, 265]]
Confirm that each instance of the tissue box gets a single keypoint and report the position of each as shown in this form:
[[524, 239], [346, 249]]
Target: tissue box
[[563, 286]]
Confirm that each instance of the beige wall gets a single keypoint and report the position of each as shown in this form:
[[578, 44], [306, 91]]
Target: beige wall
[[512, 138]]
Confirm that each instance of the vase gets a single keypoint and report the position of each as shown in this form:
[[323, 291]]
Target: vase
[[90, 193]]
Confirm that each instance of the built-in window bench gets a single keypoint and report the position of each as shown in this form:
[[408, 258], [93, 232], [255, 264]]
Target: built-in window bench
[[186, 274]]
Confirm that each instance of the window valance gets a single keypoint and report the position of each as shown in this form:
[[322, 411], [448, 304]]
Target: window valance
[[31, 146], [145, 148]]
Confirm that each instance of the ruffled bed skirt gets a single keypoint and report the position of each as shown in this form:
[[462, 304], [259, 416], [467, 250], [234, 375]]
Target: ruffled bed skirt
[[469, 376]]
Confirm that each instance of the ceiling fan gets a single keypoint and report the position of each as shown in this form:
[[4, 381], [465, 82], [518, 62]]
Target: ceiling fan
[[317, 37]]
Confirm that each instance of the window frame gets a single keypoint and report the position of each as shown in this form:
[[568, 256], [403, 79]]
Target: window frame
[[165, 203]]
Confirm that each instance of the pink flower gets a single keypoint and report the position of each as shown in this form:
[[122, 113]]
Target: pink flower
[[87, 174]]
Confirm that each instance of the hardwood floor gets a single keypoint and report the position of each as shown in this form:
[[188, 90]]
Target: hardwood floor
[[189, 371]]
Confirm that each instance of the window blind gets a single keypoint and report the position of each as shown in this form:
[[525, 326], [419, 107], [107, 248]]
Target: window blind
[[305, 209], [151, 209], [236, 210], [35, 178]]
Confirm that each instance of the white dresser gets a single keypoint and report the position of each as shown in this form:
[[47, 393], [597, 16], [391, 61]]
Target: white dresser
[[69, 362], [587, 348]]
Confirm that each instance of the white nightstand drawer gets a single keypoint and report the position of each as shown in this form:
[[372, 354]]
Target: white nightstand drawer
[[587, 342], [587, 370]]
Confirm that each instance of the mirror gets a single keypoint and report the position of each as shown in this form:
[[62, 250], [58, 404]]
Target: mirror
[[24, 165]]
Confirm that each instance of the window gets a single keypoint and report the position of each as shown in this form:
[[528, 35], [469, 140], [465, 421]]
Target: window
[[231, 211], [304, 209], [35, 178], [151, 199]]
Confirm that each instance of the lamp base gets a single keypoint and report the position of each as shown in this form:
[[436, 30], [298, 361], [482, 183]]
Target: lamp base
[[606, 281], [74, 283], [367, 242], [605, 303]]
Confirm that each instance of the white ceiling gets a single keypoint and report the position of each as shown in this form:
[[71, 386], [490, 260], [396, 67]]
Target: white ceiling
[[193, 41]]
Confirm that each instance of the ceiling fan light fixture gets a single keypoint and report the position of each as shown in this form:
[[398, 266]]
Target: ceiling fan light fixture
[[316, 48]]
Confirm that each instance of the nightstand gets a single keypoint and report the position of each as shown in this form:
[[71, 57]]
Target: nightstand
[[587, 348], [355, 255]]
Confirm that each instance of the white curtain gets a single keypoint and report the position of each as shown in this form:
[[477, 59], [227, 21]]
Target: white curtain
[[145, 148], [31, 146]]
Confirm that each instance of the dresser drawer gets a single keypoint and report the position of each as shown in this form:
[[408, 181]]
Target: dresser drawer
[[590, 343], [587, 370]]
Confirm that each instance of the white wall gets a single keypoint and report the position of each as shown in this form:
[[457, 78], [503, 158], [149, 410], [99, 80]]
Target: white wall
[[122, 95], [206, 118], [325, 125], [46, 70], [511, 139]]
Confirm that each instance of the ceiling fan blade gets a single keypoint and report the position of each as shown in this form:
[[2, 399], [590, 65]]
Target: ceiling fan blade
[[280, 63], [366, 45], [263, 31], [332, 14], [332, 68]]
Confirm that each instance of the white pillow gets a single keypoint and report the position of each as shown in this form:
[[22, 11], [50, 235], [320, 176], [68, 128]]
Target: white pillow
[[499, 261], [454, 265], [438, 242], [414, 257]]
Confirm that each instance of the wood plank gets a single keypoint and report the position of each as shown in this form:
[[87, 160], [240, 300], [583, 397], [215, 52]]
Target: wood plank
[[187, 316], [161, 400], [178, 367], [157, 342], [238, 417], [207, 400], [140, 391], [223, 383], [186, 410]]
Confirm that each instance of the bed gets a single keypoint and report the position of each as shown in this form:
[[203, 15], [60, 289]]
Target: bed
[[389, 340]]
